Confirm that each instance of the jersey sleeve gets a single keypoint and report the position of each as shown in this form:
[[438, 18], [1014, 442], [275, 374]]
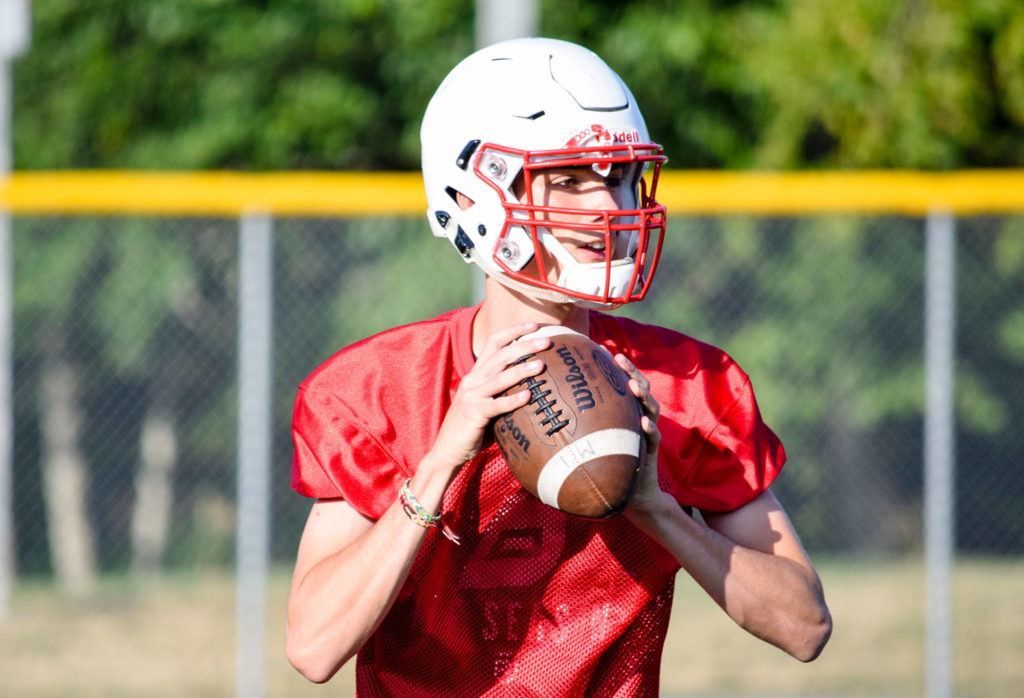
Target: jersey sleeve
[[733, 460], [334, 457], [364, 419], [716, 452]]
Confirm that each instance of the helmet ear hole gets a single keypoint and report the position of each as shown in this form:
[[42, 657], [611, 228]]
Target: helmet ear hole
[[463, 201]]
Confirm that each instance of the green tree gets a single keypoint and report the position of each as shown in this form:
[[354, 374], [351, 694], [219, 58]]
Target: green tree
[[247, 85], [285, 85]]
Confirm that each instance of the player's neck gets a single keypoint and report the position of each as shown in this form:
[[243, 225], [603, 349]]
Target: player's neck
[[503, 307]]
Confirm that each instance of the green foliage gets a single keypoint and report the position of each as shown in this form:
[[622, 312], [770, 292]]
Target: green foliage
[[869, 83], [332, 84], [247, 85]]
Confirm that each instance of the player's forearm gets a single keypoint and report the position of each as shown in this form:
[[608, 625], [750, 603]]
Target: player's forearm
[[779, 601], [337, 603], [340, 601], [772, 597]]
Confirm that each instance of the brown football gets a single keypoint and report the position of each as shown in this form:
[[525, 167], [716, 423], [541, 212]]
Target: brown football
[[577, 445]]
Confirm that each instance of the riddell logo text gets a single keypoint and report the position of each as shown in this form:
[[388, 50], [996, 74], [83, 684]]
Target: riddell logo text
[[577, 381], [596, 134]]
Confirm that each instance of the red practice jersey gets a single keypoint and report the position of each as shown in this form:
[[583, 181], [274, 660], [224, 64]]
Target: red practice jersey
[[534, 602]]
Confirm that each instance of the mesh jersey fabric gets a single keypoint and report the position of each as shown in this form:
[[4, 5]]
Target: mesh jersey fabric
[[534, 602]]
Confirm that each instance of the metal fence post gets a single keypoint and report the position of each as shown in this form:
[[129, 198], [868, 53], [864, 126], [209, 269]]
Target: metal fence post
[[939, 454], [6, 416], [15, 34], [496, 20], [255, 366]]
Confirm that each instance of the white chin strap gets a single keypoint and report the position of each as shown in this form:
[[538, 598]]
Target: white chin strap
[[583, 278], [519, 286], [589, 279]]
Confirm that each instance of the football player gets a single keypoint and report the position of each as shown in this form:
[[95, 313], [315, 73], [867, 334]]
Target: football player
[[422, 555]]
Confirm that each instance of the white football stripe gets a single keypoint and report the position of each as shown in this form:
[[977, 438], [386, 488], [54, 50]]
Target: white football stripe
[[607, 442]]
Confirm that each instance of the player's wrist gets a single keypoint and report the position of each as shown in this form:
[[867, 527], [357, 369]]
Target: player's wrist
[[436, 470], [441, 462], [422, 516], [646, 508]]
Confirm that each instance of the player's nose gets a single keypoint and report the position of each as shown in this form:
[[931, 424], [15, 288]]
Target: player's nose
[[602, 197]]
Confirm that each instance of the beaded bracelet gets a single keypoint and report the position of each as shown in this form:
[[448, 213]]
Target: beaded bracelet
[[420, 516]]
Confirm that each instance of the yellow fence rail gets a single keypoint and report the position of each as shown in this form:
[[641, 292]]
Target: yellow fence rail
[[67, 192]]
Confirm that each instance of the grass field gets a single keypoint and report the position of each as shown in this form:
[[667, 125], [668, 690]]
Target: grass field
[[176, 638]]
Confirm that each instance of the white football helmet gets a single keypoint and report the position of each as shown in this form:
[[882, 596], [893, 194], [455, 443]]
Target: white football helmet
[[504, 114]]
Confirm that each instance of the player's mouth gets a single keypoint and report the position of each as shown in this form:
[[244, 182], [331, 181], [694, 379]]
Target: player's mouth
[[592, 252]]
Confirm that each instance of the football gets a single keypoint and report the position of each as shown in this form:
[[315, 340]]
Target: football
[[577, 445]]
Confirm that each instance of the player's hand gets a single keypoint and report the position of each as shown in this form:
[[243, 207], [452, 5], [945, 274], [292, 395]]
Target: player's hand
[[479, 397], [648, 490]]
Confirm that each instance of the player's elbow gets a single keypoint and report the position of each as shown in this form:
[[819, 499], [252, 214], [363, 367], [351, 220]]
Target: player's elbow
[[305, 664], [313, 665], [317, 672], [813, 637]]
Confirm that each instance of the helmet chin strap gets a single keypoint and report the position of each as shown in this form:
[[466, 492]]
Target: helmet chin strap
[[519, 286], [589, 278], [535, 291]]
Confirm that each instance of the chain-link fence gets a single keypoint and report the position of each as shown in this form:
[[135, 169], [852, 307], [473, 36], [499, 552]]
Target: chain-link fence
[[125, 428]]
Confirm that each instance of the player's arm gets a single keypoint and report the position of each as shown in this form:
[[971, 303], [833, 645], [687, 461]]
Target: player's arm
[[751, 563], [348, 571], [750, 560], [770, 586], [349, 568]]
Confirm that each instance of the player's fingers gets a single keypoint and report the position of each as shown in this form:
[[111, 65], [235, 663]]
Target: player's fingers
[[517, 351], [640, 386], [506, 336], [485, 393], [494, 367], [632, 371], [512, 354], [510, 402], [643, 393], [497, 357], [513, 375], [653, 434]]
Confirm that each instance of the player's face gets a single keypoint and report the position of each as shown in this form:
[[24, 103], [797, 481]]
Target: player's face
[[581, 188]]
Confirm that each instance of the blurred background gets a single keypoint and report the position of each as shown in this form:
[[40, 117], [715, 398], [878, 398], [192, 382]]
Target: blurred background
[[147, 558]]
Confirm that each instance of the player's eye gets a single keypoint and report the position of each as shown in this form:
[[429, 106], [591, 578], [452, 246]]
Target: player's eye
[[566, 181]]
